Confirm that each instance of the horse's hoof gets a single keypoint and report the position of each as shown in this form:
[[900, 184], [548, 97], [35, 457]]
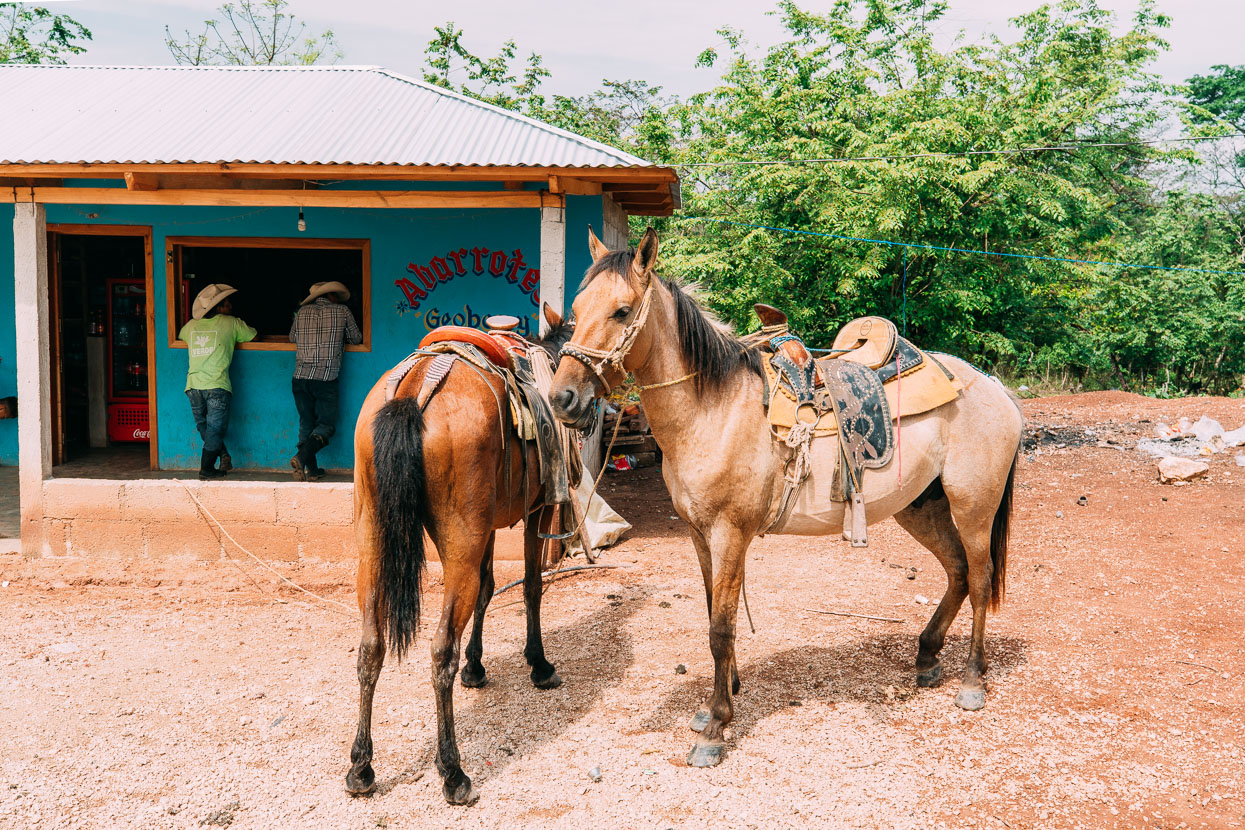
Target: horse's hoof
[[699, 721], [361, 780], [474, 680], [706, 755], [459, 792], [929, 677], [971, 699], [549, 681]]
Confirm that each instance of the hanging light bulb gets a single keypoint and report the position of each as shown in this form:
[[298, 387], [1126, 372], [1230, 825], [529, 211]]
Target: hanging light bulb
[[302, 223]]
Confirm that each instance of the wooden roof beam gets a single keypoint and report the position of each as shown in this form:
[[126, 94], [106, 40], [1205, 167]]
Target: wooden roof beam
[[83, 170], [431, 199], [141, 181]]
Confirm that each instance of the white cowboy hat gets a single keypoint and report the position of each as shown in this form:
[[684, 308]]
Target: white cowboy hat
[[331, 287], [209, 297]]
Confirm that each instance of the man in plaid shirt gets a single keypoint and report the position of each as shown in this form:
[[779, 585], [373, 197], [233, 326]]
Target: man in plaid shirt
[[321, 325]]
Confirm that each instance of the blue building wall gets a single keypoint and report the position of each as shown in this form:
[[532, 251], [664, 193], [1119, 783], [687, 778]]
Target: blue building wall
[[8, 336], [263, 423]]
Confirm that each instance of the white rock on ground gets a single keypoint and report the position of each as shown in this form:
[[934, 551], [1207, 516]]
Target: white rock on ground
[[1173, 468]]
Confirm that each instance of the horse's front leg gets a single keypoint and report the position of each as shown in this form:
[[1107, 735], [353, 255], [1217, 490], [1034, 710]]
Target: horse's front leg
[[544, 676], [721, 557]]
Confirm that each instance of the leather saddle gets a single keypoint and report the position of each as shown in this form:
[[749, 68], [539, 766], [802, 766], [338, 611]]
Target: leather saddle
[[870, 377], [501, 352]]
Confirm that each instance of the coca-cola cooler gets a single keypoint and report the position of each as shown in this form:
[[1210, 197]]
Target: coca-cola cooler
[[128, 418]]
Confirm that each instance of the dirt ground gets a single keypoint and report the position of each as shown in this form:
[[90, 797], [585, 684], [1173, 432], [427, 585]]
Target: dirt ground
[[143, 695]]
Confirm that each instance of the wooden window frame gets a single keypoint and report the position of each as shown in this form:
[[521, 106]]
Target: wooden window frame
[[173, 275]]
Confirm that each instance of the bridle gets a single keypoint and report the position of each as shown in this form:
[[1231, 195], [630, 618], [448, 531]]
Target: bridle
[[598, 360]]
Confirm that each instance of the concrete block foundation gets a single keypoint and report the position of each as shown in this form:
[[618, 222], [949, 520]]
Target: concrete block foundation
[[156, 519]]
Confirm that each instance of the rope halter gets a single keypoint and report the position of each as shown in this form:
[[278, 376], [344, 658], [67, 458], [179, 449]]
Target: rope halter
[[598, 360]]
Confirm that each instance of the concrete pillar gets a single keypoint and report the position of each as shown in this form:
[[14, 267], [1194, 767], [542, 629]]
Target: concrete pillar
[[615, 233], [552, 261], [34, 405]]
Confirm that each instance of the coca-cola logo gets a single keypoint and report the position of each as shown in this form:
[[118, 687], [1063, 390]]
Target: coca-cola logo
[[142, 434]]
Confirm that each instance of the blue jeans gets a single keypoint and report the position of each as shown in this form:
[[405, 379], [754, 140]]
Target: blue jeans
[[316, 401], [211, 410]]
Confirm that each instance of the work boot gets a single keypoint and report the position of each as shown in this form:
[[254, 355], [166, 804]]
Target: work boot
[[207, 466], [226, 462], [300, 464], [315, 443]]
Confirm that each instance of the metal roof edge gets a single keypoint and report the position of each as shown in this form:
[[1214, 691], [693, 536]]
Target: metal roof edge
[[622, 155], [352, 67]]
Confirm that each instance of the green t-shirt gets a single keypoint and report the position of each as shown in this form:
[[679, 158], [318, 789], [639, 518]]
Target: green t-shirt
[[210, 345]]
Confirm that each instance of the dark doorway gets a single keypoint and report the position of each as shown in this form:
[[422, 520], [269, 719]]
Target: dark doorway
[[100, 344]]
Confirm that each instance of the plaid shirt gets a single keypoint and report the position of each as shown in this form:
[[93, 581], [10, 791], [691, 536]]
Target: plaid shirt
[[319, 329]]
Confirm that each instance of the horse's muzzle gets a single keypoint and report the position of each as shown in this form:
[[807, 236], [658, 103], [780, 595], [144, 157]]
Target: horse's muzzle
[[571, 406]]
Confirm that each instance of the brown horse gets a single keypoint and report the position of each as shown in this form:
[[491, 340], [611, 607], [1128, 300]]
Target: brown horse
[[725, 471], [456, 470]]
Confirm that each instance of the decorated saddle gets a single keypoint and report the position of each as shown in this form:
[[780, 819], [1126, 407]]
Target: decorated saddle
[[527, 371], [869, 379]]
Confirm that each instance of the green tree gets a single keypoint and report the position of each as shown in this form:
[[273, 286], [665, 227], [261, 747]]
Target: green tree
[[1219, 95], [1216, 106], [1174, 331], [33, 34], [253, 33], [865, 80], [496, 80], [630, 115]]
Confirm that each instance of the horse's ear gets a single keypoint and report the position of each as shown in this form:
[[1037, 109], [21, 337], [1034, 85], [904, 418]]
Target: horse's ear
[[551, 317], [645, 256], [595, 246]]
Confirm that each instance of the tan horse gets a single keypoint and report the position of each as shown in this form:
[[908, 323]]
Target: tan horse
[[456, 470], [725, 471]]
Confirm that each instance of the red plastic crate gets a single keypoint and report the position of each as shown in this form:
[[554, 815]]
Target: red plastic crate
[[128, 422]]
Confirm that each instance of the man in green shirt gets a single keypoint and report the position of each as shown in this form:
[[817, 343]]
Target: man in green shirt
[[210, 338]]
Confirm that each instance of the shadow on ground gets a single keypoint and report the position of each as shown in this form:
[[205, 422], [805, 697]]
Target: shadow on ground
[[877, 670], [591, 654]]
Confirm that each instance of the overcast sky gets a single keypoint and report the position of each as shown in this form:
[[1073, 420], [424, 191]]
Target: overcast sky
[[584, 42]]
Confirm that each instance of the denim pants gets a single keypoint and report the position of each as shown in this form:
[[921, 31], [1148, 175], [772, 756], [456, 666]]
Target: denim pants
[[211, 410], [316, 401]]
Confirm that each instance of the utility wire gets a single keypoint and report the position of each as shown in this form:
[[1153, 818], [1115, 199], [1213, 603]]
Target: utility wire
[[1056, 147], [916, 245]]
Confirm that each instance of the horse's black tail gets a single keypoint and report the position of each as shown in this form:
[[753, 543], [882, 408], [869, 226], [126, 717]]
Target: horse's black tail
[[401, 516], [998, 540]]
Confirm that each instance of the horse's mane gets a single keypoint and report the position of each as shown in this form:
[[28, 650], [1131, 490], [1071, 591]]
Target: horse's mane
[[714, 352], [555, 339]]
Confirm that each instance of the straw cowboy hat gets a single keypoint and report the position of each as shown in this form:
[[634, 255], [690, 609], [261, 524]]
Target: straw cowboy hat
[[331, 287], [209, 297]]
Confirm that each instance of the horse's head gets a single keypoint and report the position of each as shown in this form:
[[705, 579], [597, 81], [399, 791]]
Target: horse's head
[[610, 312]]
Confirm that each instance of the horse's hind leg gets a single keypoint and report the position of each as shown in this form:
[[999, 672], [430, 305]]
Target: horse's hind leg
[[981, 514], [473, 675], [928, 520], [462, 584], [361, 778], [544, 676]]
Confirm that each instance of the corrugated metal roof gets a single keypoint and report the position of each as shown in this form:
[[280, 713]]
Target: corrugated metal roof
[[275, 115]]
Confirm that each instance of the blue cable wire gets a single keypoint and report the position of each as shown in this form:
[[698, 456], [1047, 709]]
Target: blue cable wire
[[906, 245]]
